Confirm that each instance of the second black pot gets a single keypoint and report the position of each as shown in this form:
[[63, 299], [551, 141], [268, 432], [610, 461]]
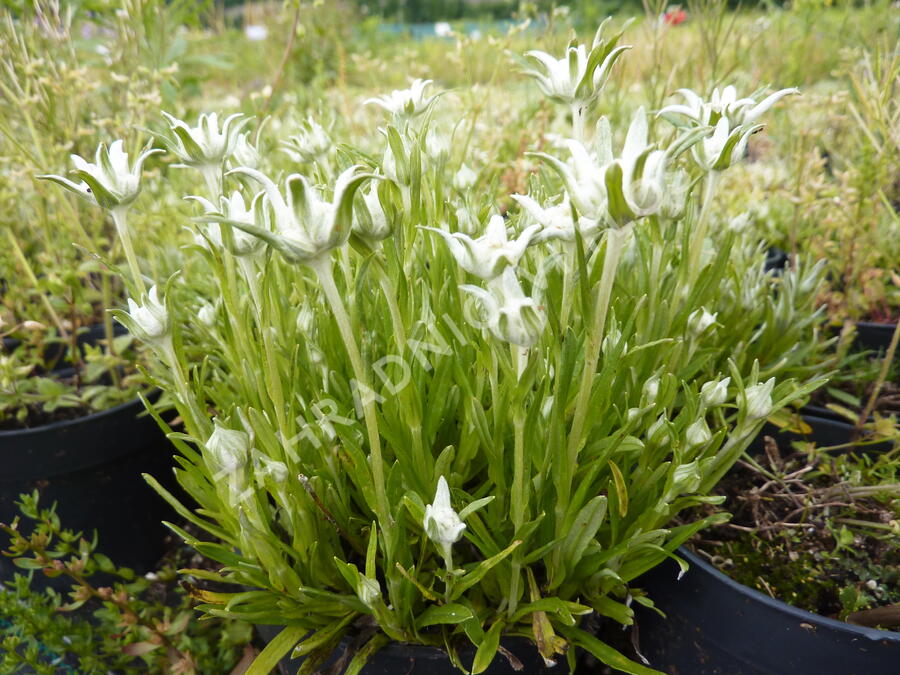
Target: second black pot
[[717, 626], [874, 336], [92, 466]]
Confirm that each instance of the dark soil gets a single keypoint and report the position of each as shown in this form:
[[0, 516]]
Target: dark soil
[[887, 403], [789, 537], [38, 417]]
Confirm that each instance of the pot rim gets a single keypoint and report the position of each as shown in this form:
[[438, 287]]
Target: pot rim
[[801, 615], [84, 419], [876, 325]]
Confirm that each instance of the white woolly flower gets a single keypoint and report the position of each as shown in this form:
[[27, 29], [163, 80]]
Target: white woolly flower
[[700, 320], [464, 179], [638, 176], [726, 104], [245, 153], [370, 222], [583, 176], [207, 314], [307, 227], [441, 523], [509, 314], [724, 147], [487, 256], [235, 210], [405, 103], [111, 182], [149, 321], [437, 146], [557, 221], [206, 145], [309, 144], [579, 76]]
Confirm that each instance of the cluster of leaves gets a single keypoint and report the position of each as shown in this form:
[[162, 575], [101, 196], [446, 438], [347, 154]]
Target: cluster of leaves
[[112, 619], [817, 529], [37, 388]]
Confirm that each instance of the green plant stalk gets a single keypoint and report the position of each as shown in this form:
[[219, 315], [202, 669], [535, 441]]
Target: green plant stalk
[[322, 267], [578, 118], [615, 239], [34, 282], [120, 220], [568, 277], [106, 294], [882, 376], [390, 295], [701, 228], [212, 177], [517, 493]]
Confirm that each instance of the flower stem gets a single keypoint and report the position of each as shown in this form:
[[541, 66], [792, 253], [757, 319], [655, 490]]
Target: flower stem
[[578, 122], [701, 228], [615, 239], [390, 294], [322, 267], [120, 220], [106, 294]]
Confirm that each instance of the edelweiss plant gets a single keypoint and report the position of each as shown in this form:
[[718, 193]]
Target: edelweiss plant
[[397, 432]]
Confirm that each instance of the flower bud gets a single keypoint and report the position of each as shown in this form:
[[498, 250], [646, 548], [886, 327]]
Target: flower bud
[[442, 524], [229, 450], [464, 179], [368, 591], [149, 321], [700, 320], [698, 433], [759, 399], [714, 392], [207, 314], [651, 389]]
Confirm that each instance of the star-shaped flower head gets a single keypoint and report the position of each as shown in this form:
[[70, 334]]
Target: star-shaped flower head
[[487, 256], [309, 144], [111, 182], [579, 76], [557, 220], [234, 210], [510, 315], [307, 226], [406, 103], [205, 145], [724, 104]]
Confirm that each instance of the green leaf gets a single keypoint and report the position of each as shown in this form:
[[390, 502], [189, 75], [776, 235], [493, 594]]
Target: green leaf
[[487, 650], [451, 613], [605, 653], [621, 490], [480, 570], [363, 655], [269, 657]]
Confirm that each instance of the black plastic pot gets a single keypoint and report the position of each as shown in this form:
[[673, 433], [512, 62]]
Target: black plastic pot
[[91, 467], [407, 659], [874, 336], [776, 260], [716, 626]]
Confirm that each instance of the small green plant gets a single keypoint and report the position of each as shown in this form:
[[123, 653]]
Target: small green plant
[[112, 619]]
